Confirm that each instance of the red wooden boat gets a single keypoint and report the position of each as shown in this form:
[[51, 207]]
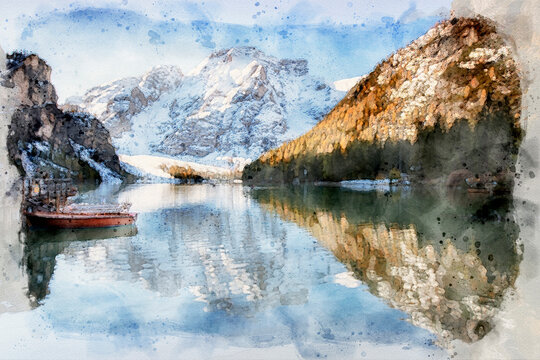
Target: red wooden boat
[[46, 203], [66, 220]]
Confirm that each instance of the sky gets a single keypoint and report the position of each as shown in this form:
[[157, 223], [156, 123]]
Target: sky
[[91, 43]]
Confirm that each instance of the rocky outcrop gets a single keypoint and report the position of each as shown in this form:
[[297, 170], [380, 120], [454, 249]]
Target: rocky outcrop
[[450, 100], [237, 103], [46, 141]]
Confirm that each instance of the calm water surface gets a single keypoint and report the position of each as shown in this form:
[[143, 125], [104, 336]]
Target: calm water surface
[[231, 272]]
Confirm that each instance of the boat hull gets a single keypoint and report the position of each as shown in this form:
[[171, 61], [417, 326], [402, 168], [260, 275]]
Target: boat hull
[[49, 235], [78, 221]]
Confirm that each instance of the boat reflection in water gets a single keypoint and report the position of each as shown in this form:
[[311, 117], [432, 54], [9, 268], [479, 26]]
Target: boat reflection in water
[[445, 259], [43, 245]]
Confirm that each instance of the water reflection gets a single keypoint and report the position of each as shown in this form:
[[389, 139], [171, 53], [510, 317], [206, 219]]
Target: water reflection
[[209, 270], [446, 260], [42, 247]]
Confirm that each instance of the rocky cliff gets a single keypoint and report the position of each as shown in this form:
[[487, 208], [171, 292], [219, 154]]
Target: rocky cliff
[[238, 103], [450, 101], [43, 139]]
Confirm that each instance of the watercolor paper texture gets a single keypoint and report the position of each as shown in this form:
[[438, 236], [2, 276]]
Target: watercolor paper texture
[[269, 179]]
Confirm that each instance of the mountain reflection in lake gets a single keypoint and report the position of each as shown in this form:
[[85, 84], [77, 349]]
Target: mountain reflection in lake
[[217, 271], [444, 260]]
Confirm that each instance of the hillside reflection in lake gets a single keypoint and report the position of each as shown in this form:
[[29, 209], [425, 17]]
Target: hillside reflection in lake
[[217, 271], [445, 260]]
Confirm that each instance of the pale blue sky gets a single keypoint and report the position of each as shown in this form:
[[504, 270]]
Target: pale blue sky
[[91, 42], [245, 12]]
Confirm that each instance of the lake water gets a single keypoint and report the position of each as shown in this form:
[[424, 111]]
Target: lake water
[[233, 272]]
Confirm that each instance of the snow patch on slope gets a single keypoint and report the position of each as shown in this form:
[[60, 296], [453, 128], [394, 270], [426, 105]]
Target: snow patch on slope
[[346, 84], [106, 174], [151, 168]]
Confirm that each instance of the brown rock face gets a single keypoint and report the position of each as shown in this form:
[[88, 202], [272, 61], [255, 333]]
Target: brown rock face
[[450, 100], [31, 78], [46, 140]]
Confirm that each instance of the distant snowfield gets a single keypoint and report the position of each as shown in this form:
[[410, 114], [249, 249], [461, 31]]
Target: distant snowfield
[[346, 84], [150, 168]]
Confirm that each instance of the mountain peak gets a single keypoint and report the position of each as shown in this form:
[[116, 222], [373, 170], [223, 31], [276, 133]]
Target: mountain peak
[[238, 52], [239, 102], [240, 57]]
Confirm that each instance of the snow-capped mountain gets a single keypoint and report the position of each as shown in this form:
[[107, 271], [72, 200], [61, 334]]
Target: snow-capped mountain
[[347, 84], [116, 103], [238, 103]]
